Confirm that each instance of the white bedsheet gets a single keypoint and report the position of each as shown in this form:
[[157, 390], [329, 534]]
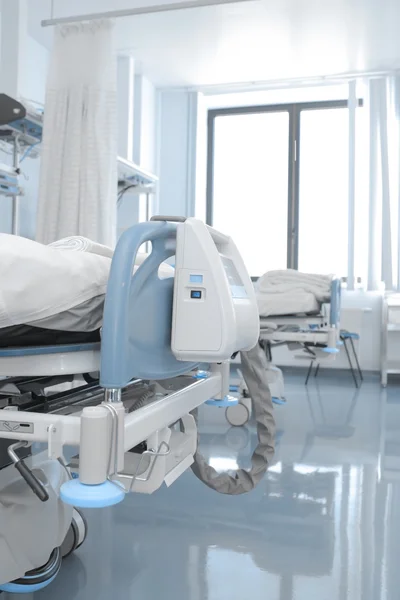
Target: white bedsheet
[[291, 292], [78, 243], [38, 282]]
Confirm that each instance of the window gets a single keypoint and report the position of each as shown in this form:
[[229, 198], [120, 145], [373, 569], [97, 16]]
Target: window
[[277, 181], [250, 186], [323, 191]]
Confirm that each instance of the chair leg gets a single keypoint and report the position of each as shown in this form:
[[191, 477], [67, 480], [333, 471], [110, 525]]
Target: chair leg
[[350, 363], [316, 370], [356, 359], [309, 372]]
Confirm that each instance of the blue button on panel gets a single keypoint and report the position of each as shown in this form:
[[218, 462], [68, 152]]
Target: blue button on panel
[[196, 294], [196, 278]]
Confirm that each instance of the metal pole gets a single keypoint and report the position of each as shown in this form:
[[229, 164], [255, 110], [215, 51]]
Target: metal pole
[[15, 199], [142, 10], [148, 206], [374, 254], [352, 185], [113, 395], [147, 246]]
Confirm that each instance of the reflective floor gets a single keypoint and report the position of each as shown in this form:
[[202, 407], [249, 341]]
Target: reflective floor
[[324, 523]]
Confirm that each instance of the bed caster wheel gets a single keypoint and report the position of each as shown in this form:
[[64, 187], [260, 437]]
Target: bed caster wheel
[[36, 580], [76, 534], [239, 415]]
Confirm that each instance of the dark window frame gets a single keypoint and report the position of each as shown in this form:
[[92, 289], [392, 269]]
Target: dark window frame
[[294, 153]]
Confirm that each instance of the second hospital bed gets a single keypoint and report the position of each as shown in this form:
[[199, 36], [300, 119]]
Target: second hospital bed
[[313, 327]]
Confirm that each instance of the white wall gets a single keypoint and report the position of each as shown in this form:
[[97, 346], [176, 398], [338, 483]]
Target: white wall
[[173, 153], [178, 157], [125, 104]]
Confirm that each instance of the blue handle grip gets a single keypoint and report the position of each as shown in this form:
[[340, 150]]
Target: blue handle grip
[[136, 336]]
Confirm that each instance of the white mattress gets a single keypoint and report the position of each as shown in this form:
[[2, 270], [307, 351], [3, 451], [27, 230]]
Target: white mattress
[[52, 288]]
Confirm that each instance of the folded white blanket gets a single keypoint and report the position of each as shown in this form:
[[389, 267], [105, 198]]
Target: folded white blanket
[[275, 282], [291, 292], [82, 244]]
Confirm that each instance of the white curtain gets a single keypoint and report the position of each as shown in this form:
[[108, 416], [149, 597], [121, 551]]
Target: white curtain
[[78, 179], [383, 104]]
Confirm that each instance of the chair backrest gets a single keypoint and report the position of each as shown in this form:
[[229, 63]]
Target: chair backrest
[[336, 293]]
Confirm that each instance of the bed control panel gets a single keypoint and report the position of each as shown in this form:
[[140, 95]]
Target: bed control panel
[[214, 307]]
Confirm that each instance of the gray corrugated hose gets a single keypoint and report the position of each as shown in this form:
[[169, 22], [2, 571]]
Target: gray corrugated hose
[[254, 365]]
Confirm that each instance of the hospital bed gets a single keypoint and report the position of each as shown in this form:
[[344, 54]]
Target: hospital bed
[[319, 329], [316, 334], [131, 414]]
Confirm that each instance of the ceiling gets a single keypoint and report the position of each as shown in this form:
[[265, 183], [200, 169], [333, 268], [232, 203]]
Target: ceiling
[[254, 41]]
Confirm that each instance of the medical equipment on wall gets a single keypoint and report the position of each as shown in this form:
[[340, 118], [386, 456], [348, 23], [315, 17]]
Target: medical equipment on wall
[[9, 181], [135, 180], [21, 128], [133, 425], [21, 125]]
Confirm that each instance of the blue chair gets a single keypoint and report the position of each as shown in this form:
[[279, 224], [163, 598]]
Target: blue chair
[[346, 336]]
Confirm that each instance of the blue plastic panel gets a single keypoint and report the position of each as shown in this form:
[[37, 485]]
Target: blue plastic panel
[[336, 291], [15, 588], [41, 350], [224, 403], [28, 127], [136, 337], [196, 278], [346, 335], [75, 493], [329, 350]]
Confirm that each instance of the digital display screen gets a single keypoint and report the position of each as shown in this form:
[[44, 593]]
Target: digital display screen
[[236, 284]]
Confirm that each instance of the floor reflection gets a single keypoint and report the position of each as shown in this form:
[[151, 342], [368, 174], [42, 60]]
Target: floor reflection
[[324, 523]]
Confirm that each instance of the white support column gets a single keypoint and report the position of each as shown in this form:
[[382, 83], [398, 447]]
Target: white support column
[[137, 119], [200, 200], [127, 211], [191, 152], [397, 113], [386, 258], [374, 233], [178, 152], [352, 105], [144, 137], [126, 89]]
